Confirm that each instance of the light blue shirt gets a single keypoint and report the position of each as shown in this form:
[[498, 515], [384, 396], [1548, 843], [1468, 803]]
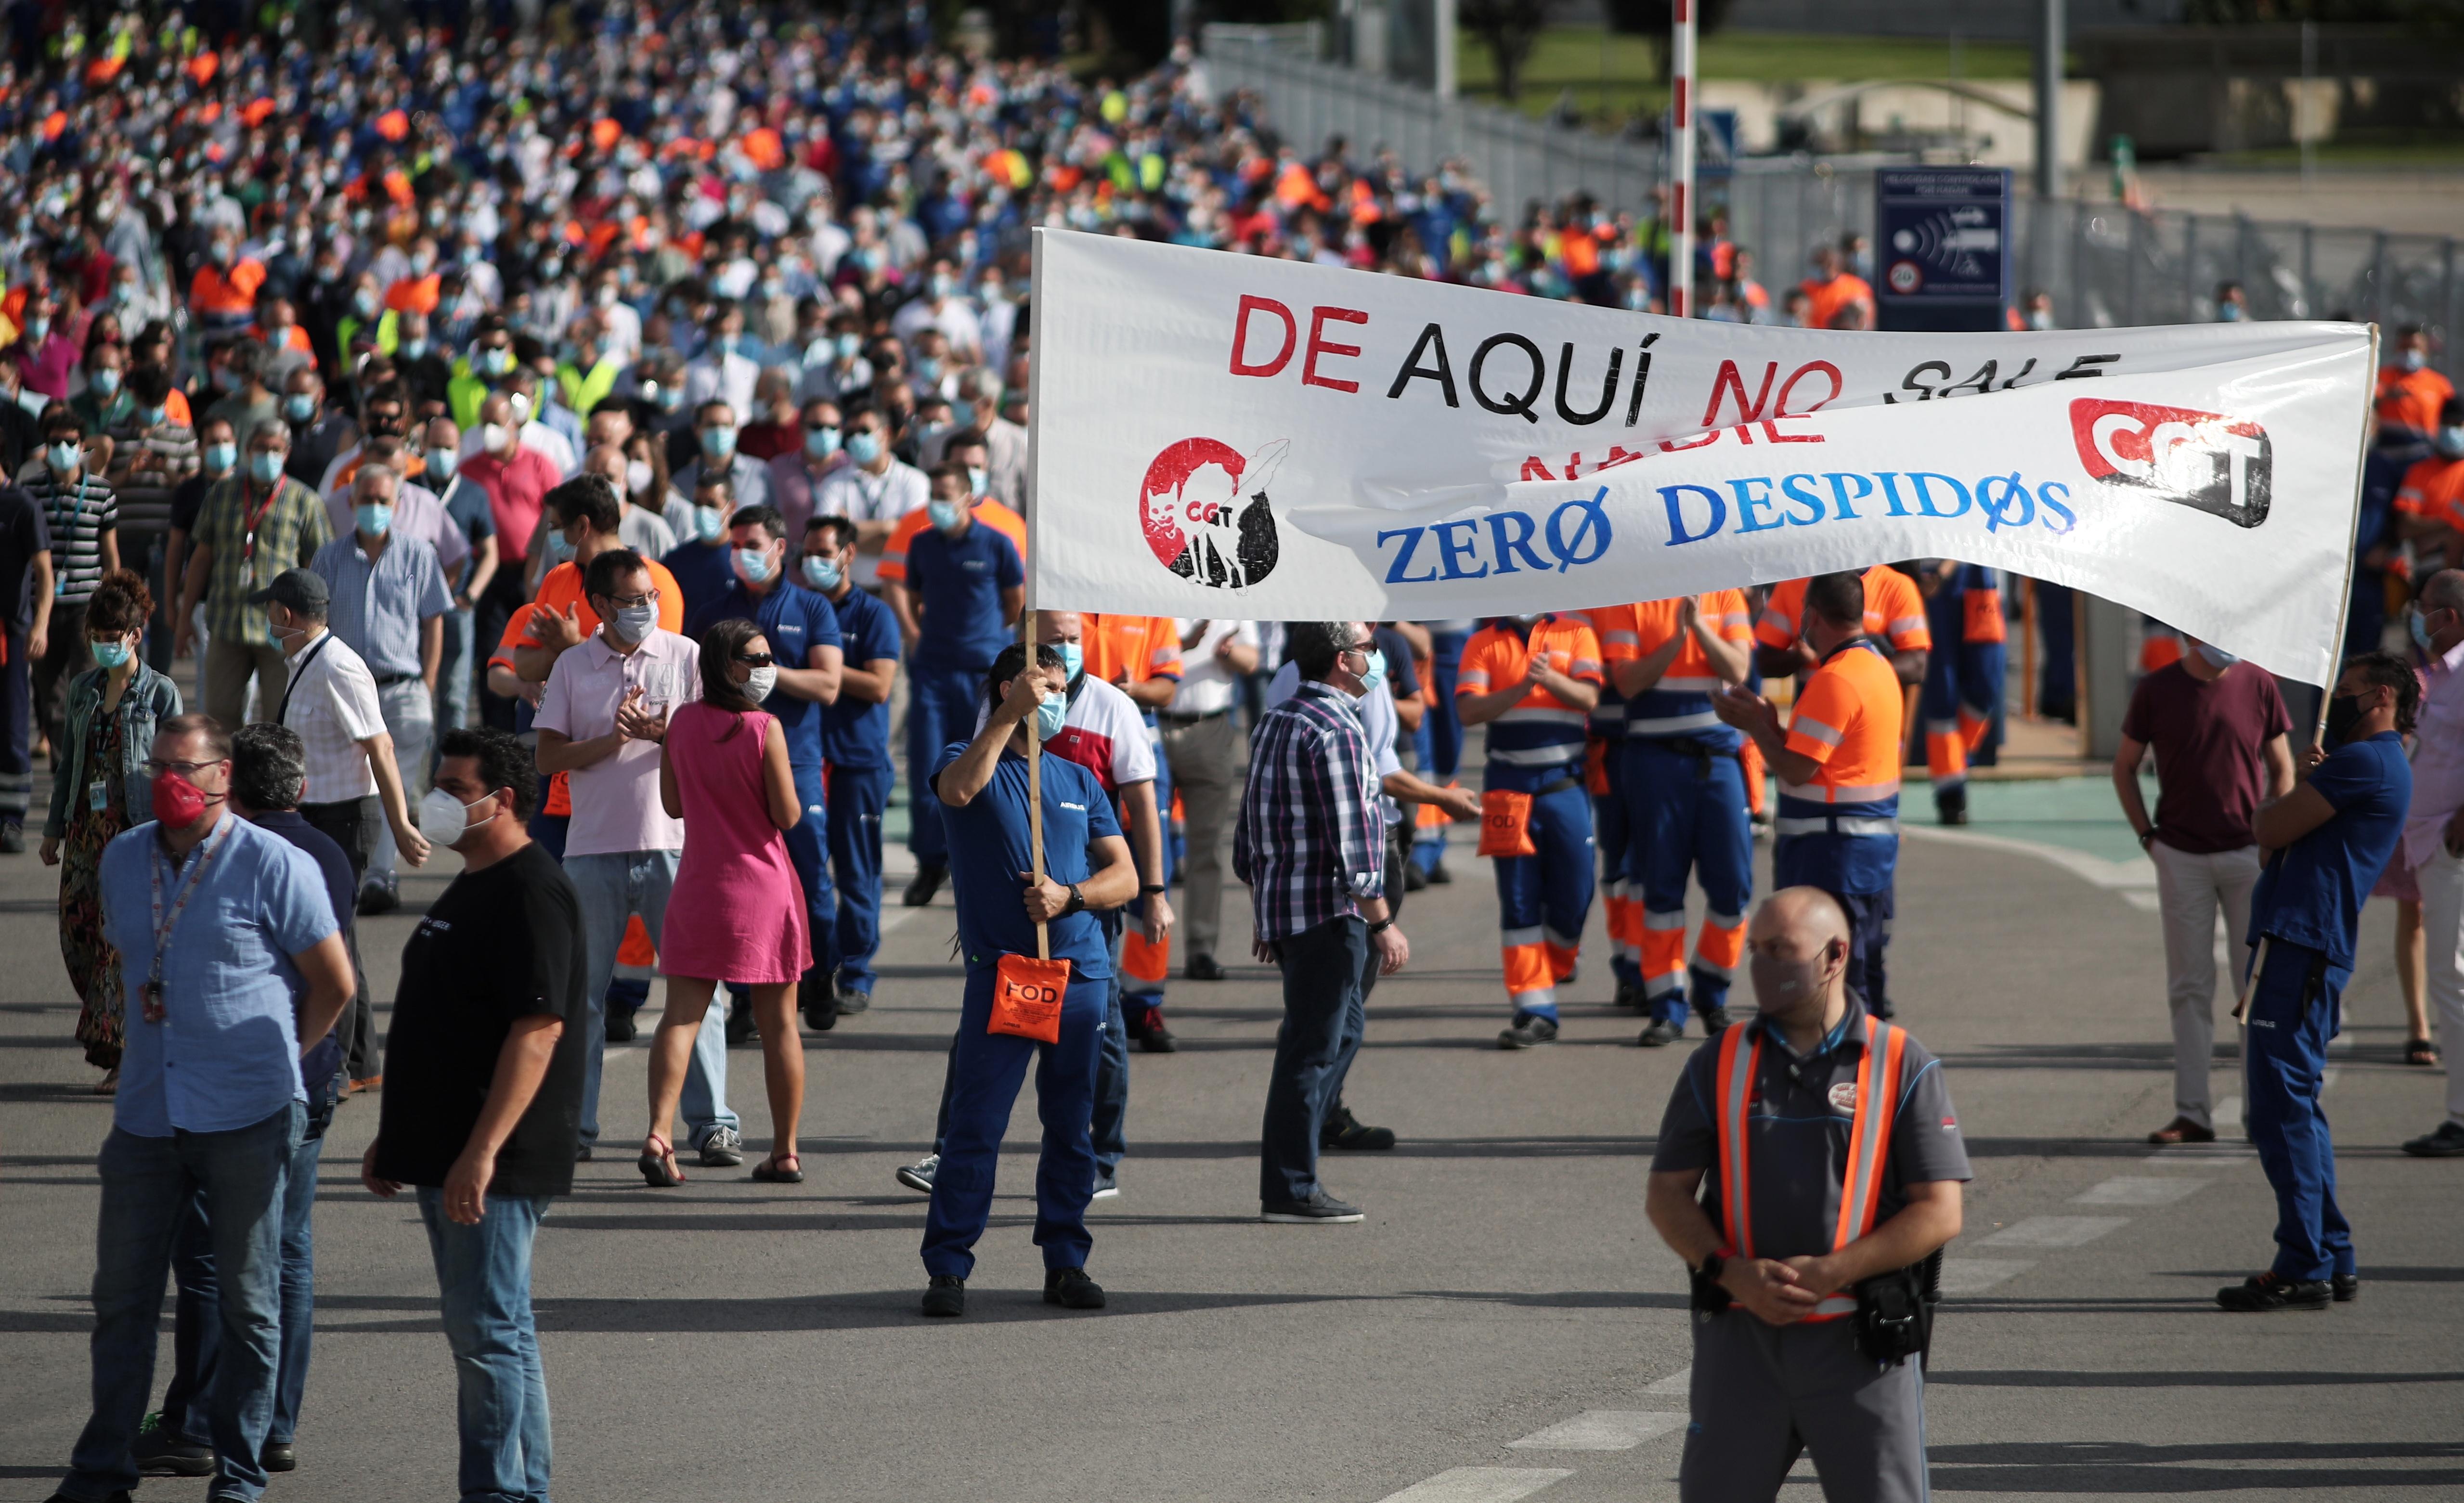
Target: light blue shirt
[[379, 602], [226, 1053]]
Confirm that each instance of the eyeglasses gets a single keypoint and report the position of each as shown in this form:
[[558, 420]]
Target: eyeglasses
[[156, 766], [628, 602], [755, 659]]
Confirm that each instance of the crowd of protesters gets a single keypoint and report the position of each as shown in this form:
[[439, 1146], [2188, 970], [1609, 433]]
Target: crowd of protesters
[[580, 450]]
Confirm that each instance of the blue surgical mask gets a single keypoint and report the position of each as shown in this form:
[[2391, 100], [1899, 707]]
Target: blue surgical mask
[[1073, 659], [299, 406], [2217, 657], [820, 443], [265, 466], [751, 565], [928, 368], [364, 303], [441, 462], [2449, 443], [495, 361], [709, 524], [718, 443], [1376, 672], [104, 381], [2418, 622], [109, 654], [846, 345], [558, 546], [220, 457], [149, 417], [1048, 716], [978, 480], [2230, 312], [863, 448], [822, 574], [945, 514], [37, 328], [62, 458], [2411, 358], [374, 517], [413, 349]]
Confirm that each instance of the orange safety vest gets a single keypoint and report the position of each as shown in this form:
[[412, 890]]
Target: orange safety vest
[[1869, 1142]]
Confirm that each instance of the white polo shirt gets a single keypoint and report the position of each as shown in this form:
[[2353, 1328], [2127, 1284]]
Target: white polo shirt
[[858, 495], [331, 702], [616, 803], [1206, 686]]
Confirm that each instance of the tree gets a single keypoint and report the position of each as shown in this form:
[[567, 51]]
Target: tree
[[1653, 21], [1509, 29]]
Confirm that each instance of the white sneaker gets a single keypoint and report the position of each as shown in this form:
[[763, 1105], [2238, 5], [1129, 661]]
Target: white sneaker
[[1106, 1189], [919, 1176]]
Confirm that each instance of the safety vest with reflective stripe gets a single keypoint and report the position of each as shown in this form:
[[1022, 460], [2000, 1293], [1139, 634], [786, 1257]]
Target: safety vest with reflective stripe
[[1869, 1142]]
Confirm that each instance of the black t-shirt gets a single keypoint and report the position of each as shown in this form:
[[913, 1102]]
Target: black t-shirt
[[500, 944], [23, 534]]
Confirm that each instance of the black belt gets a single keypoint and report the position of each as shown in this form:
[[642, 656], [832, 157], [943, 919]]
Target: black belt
[[1558, 787], [388, 680], [1164, 719]]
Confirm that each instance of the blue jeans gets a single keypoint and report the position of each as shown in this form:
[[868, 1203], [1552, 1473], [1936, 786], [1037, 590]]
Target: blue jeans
[[483, 1276], [148, 1184], [453, 674], [2292, 1016], [857, 796], [986, 1069], [1109, 1125], [196, 1345], [1323, 1018], [613, 888], [940, 709]]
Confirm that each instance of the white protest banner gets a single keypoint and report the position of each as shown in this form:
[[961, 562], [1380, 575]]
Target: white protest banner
[[1221, 435]]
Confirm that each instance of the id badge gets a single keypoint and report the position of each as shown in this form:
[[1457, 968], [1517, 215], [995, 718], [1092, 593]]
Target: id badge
[[98, 796]]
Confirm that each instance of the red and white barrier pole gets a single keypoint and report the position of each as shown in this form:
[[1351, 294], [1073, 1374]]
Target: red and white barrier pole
[[1680, 164]]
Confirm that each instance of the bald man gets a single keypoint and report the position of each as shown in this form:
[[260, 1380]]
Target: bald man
[[1792, 1347]]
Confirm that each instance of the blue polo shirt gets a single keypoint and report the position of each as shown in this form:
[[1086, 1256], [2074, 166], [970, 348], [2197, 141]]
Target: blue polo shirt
[[988, 850], [796, 620], [855, 733], [2312, 892], [959, 582], [702, 572], [226, 1053]]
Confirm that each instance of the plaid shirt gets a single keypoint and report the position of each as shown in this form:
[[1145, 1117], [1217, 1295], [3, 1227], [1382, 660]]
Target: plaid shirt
[[286, 537], [1311, 842]]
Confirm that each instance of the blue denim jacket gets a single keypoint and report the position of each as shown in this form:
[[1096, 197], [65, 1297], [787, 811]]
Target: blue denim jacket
[[149, 700]]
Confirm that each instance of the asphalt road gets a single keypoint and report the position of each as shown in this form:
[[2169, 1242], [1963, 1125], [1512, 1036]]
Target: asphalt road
[[1504, 1323]]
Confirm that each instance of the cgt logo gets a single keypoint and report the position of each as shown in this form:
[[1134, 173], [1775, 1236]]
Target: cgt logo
[[1204, 509], [2215, 464]]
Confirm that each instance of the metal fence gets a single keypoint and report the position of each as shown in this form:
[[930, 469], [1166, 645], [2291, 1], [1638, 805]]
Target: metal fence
[[2102, 263]]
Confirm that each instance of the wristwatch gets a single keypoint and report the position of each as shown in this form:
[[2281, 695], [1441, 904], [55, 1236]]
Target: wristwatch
[[1713, 1267], [1077, 900], [1381, 926], [1150, 888], [2146, 835]]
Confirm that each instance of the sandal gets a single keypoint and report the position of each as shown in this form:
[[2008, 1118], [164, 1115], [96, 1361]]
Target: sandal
[[2420, 1051], [769, 1171], [660, 1167]]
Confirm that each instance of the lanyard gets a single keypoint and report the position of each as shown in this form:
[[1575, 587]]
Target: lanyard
[[164, 929], [282, 716], [256, 517]]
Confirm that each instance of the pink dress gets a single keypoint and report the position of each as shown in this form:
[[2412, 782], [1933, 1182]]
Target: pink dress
[[737, 912]]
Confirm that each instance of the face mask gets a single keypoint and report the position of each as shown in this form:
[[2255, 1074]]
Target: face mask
[[2451, 443], [109, 654], [758, 682], [718, 443], [61, 457], [637, 476], [299, 406], [2343, 713], [364, 303], [607, 296], [822, 574], [1781, 984], [1048, 716], [634, 623], [445, 819], [820, 443], [2217, 657], [178, 803], [220, 457], [846, 345], [495, 361], [105, 383], [1073, 659], [149, 417], [374, 517], [978, 480], [265, 466], [37, 327], [2419, 623], [708, 522], [863, 448], [2411, 358], [945, 284], [560, 547], [928, 368], [2230, 313], [751, 565], [2040, 321], [671, 398], [1375, 673], [496, 437]]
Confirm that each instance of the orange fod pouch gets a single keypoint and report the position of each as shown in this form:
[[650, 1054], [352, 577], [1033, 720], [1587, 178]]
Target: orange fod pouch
[[1026, 998], [1506, 824]]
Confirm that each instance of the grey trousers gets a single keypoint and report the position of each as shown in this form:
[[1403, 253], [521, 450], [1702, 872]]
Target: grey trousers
[[1202, 760], [1762, 1393]]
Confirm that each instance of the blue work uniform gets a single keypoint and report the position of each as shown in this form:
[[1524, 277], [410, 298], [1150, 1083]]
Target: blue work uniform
[[2302, 917], [1963, 684], [795, 620], [856, 751], [1842, 832], [956, 583], [702, 571], [989, 842], [1605, 778]]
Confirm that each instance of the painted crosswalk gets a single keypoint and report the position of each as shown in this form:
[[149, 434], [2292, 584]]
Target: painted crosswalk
[[1602, 1429]]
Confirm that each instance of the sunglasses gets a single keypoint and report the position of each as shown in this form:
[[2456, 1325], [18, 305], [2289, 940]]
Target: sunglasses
[[755, 659]]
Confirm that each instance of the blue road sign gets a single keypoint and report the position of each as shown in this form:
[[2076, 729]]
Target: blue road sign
[[1943, 246]]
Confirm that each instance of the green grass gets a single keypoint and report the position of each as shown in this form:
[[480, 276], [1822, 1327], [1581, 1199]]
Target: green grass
[[1613, 77]]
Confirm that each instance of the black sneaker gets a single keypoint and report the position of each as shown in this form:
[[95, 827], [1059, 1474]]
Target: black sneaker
[[1950, 806], [919, 892], [1628, 994], [1320, 1209], [2347, 1288], [159, 1453], [1203, 968], [621, 1029], [279, 1456], [13, 839], [1714, 1020], [722, 1149], [1438, 875], [1661, 1035], [120, 1497], [852, 1002], [1070, 1289], [2262, 1292], [1153, 1038], [817, 998], [1529, 1031], [919, 1176], [1107, 1187], [945, 1296], [582, 1155], [378, 898], [739, 1022], [1346, 1132], [2447, 1142], [1413, 879]]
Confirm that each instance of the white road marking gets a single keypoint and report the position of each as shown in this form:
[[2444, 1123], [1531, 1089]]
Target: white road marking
[[1681, 1380], [2208, 1157], [1973, 1275], [2228, 1112], [1479, 1485], [1602, 1429], [2147, 903], [2140, 1190], [2054, 1231]]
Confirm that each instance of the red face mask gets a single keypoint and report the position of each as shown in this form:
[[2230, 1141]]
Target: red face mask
[[177, 803]]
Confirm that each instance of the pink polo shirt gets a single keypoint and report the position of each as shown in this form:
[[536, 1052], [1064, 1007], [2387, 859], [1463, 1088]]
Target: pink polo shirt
[[616, 800], [2437, 757]]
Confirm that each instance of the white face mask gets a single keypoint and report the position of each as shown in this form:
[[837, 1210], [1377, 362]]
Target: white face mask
[[759, 681], [445, 819]]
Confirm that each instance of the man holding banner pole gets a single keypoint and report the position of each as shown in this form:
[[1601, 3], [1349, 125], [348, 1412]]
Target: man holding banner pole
[[1839, 765]]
